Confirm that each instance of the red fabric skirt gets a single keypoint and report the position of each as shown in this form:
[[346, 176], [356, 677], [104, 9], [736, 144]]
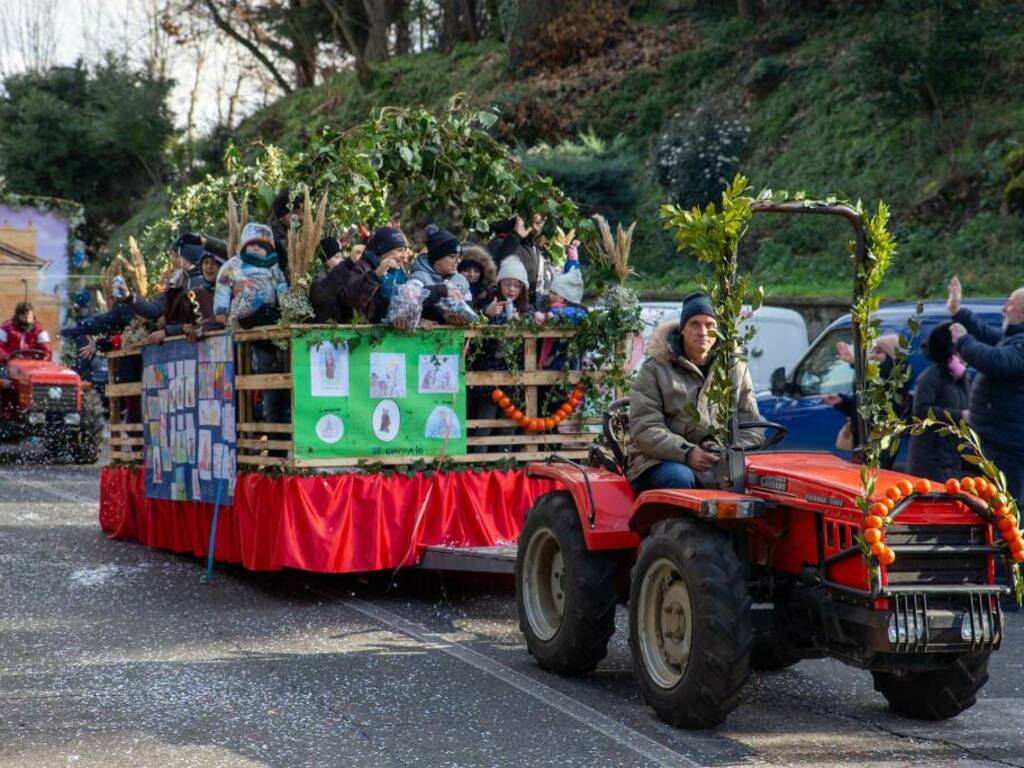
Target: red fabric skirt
[[344, 523]]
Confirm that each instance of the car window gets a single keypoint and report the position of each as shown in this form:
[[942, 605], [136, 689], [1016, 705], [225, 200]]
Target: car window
[[822, 372]]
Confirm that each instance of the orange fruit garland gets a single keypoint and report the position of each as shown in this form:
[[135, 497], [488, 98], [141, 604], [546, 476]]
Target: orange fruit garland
[[871, 535], [952, 486], [923, 486], [539, 424], [888, 557], [906, 487]]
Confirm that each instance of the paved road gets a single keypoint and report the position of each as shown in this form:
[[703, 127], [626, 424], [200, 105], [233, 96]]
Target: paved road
[[115, 655]]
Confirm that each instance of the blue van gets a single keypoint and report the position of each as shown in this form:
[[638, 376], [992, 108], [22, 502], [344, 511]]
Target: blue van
[[795, 397]]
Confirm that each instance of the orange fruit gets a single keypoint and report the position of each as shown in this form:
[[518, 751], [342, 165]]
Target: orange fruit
[[1016, 544], [923, 486], [952, 486], [504, 402], [496, 395], [893, 492], [878, 508], [967, 484], [906, 487], [878, 548], [889, 504], [1019, 555], [549, 423], [517, 415], [888, 557], [509, 411], [1005, 523], [1001, 511], [873, 521], [998, 500], [871, 535]]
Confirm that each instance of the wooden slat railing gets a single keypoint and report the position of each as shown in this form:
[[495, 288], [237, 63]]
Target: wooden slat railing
[[269, 444]]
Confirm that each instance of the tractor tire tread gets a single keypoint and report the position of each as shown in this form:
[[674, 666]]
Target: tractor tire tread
[[937, 694]]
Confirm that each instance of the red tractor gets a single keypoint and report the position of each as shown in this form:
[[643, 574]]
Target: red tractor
[[41, 398], [759, 576]]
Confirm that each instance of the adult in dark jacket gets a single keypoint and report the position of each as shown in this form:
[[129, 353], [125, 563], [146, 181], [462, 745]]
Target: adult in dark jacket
[[374, 277], [519, 243], [283, 210], [325, 292], [941, 388], [997, 394]]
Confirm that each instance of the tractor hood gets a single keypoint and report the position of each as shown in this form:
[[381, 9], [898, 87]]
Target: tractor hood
[[23, 370], [820, 478]]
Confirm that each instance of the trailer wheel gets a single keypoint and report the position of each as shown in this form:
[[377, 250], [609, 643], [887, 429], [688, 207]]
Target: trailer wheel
[[937, 694], [689, 622], [565, 593], [86, 446]]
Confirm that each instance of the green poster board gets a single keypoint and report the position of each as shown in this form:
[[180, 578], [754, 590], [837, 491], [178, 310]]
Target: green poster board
[[377, 395]]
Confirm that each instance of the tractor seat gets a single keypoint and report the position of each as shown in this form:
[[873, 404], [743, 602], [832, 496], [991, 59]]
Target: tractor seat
[[615, 429]]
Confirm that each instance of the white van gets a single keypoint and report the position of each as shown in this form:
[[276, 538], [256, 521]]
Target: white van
[[780, 337]]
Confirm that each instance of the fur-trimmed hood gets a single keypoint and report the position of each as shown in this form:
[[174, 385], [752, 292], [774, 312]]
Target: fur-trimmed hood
[[664, 345], [490, 276]]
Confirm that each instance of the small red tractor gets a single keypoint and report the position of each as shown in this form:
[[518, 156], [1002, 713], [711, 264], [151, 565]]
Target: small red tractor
[[761, 575], [43, 399]]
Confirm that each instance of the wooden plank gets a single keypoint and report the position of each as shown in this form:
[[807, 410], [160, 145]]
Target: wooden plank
[[119, 456], [127, 440], [547, 439], [259, 445], [471, 423], [505, 378], [264, 381], [263, 426], [470, 458], [127, 389], [262, 461], [126, 427]]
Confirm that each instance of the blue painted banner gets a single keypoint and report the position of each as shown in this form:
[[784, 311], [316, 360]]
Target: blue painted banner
[[188, 411]]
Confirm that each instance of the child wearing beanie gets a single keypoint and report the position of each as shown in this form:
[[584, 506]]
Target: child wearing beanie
[[564, 305], [508, 301], [250, 282]]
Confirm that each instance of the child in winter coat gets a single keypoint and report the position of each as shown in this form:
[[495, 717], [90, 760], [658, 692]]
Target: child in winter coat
[[480, 270], [250, 284], [508, 301], [564, 305]]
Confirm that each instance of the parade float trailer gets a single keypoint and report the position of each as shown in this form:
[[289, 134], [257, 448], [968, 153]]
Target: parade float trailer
[[378, 468]]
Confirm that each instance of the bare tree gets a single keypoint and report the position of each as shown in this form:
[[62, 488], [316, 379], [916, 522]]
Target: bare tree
[[29, 30]]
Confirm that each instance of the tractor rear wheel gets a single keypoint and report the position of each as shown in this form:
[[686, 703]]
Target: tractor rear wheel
[[565, 594], [937, 694], [689, 618]]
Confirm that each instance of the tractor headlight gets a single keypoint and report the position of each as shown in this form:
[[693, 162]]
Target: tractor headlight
[[907, 628], [72, 419], [975, 628], [36, 418]]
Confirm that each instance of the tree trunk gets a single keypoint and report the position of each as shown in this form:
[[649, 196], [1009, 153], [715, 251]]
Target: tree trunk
[[379, 21], [470, 26], [399, 12], [346, 25], [451, 27]]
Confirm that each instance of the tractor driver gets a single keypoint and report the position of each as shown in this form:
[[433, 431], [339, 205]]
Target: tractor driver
[[22, 332], [670, 419]]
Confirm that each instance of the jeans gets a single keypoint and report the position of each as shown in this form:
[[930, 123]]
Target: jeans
[[668, 474], [1011, 462], [267, 358]]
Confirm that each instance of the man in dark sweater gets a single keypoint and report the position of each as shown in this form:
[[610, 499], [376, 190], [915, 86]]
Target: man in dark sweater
[[997, 393]]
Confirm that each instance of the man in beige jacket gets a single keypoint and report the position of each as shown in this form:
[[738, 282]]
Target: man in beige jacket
[[670, 419]]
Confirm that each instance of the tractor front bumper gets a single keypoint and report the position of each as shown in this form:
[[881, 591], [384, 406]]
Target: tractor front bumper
[[918, 622]]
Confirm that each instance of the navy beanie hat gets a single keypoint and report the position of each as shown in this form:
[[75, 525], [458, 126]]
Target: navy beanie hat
[[386, 239], [193, 254], [696, 303], [440, 243], [329, 248]]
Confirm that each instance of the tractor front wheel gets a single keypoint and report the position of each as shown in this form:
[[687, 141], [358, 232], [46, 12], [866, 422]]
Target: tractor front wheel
[[690, 630], [937, 694], [566, 594]]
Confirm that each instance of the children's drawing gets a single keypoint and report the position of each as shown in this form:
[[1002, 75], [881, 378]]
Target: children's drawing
[[443, 424], [330, 428], [386, 420], [328, 369], [387, 374], [439, 374]]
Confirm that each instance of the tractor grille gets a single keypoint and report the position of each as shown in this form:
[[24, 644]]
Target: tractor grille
[[66, 400], [952, 560]]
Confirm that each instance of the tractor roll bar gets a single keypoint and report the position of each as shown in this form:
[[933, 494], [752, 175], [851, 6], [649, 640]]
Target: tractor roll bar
[[860, 256]]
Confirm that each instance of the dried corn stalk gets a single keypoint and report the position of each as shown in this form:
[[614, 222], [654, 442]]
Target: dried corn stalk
[[237, 216], [139, 270], [304, 241], [613, 250]]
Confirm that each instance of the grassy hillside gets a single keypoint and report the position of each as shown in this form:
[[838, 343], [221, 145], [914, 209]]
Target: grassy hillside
[[919, 108]]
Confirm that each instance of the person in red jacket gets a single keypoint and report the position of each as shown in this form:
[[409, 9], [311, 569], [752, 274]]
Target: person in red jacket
[[22, 332]]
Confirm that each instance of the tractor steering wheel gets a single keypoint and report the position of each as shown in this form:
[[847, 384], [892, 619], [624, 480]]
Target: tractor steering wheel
[[30, 354], [775, 439]]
